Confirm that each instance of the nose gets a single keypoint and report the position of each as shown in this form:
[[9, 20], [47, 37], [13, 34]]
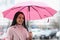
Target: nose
[[21, 19]]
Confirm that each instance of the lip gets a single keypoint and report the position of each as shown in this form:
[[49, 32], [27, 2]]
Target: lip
[[20, 22]]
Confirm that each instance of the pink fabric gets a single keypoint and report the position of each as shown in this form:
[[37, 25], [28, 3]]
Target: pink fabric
[[35, 13], [17, 32]]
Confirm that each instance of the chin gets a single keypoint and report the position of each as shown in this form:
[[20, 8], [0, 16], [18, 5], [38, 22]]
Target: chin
[[20, 24]]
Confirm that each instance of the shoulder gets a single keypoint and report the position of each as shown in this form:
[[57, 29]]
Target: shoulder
[[11, 28]]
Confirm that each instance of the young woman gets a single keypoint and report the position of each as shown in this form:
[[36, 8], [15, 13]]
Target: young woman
[[18, 30]]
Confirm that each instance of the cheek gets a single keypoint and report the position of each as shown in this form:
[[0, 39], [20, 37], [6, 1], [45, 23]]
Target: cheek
[[23, 20], [20, 20], [17, 20]]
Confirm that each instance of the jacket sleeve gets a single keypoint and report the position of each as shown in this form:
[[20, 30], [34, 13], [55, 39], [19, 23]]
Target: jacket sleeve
[[28, 35], [9, 34]]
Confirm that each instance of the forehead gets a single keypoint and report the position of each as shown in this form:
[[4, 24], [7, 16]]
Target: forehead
[[20, 15]]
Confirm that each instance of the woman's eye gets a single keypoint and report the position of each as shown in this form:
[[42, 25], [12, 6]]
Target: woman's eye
[[21, 17]]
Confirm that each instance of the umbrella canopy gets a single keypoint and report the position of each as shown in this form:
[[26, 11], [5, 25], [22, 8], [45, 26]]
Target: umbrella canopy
[[32, 12]]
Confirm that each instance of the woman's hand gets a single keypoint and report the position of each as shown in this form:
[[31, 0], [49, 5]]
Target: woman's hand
[[30, 35]]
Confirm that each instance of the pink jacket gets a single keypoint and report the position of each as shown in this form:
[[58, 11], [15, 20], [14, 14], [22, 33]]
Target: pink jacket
[[17, 32]]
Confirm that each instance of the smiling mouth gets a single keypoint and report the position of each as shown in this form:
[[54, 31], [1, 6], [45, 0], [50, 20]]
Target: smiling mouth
[[20, 21]]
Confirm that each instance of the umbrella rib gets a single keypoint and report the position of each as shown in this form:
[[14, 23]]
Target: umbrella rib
[[48, 11], [15, 8], [29, 11], [37, 11], [45, 9], [29, 8], [18, 7], [21, 8]]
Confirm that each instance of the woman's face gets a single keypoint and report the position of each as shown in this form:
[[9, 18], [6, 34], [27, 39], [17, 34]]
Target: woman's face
[[20, 19]]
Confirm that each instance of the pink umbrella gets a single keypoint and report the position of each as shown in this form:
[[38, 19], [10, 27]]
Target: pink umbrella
[[32, 12]]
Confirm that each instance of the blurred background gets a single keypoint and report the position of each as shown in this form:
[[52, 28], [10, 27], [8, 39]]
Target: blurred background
[[41, 29]]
